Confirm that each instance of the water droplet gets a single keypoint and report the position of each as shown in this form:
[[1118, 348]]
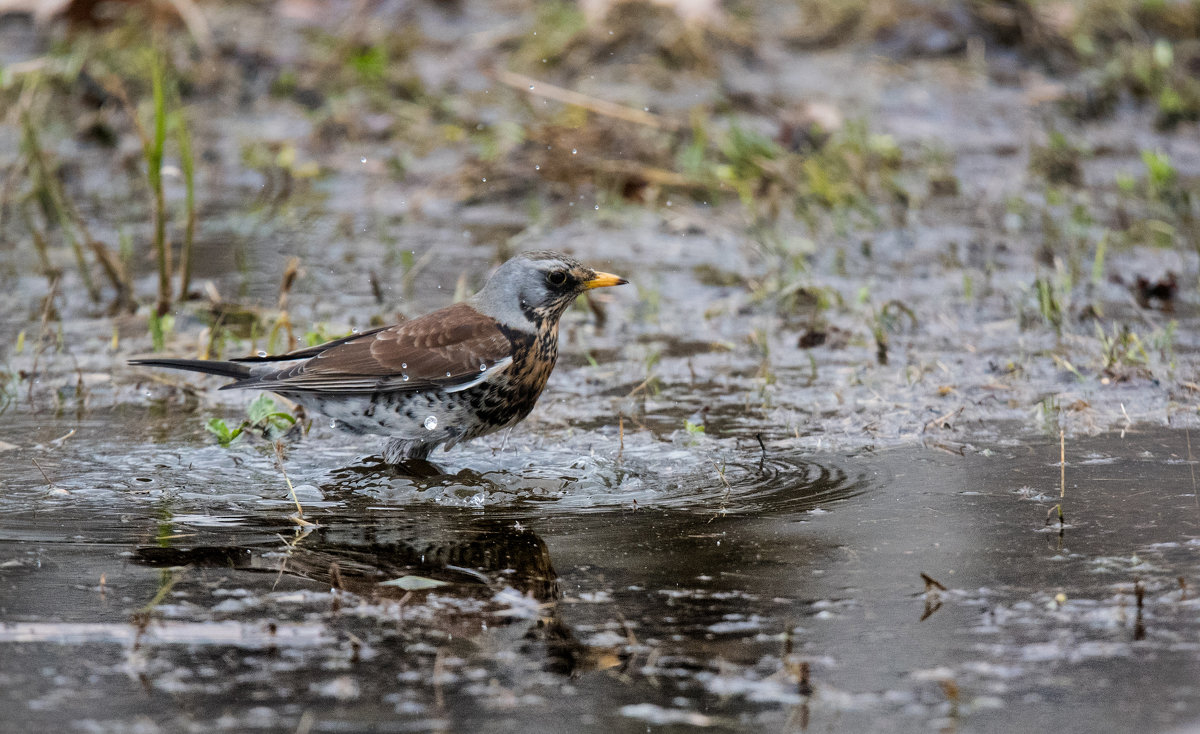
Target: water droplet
[[430, 423], [261, 353], [597, 207], [537, 168], [404, 365], [485, 180], [531, 87], [333, 424], [574, 151], [404, 377], [447, 373], [483, 368], [364, 160]]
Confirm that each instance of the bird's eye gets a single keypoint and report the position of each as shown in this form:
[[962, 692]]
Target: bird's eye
[[556, 277]]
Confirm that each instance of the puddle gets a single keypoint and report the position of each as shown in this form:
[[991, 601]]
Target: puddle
[[95, 467], [793, 597]]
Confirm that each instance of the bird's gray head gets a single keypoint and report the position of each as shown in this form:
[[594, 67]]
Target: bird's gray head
[[537, 286]]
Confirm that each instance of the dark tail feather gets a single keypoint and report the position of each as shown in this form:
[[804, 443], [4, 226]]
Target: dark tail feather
[[208, 367]]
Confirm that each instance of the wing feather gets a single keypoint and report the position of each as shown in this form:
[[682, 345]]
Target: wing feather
[[453, 349]]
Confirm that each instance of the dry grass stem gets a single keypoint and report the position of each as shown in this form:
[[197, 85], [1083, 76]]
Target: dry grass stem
[[589, 103]]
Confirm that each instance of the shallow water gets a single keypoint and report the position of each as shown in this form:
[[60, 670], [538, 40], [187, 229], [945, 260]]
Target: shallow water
[[165, 588], [609, 566]]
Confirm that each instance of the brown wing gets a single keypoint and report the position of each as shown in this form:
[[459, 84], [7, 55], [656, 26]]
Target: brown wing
[[452, 349]]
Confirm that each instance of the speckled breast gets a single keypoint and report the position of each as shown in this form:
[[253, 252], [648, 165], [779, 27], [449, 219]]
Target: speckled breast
[[510, 396]]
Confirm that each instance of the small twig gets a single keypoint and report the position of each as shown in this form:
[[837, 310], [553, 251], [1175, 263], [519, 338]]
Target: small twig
[[50, 184], [728, 490], [290, 273], [943, 421], [187, 163], [643, 385], [587, 102], [196, 24], [649, 174], [41, 246], [410, 275], [15, 171], [117, 275], [161, 593], [154, 162], [43, 472], [299, 516], [721, 474], [1062, 475], [1191, 466], [47, 311]]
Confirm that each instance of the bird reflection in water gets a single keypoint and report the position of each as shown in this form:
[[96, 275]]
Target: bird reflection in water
[[473, 556]]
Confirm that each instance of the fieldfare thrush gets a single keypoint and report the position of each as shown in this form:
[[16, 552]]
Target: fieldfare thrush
[[458, 373]]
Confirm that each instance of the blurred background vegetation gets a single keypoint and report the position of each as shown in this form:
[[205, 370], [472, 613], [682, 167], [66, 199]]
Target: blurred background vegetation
[[146, 147]]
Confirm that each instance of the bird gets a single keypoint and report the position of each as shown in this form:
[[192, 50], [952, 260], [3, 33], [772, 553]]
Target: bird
[[452, 375]]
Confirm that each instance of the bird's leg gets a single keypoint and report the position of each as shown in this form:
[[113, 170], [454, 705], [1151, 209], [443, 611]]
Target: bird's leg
[[399, 450]]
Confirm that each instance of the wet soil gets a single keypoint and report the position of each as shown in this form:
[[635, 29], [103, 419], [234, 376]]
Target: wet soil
[[798, 476]]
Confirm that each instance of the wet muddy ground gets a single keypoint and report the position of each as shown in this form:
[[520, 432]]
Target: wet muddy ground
[[801, 475]]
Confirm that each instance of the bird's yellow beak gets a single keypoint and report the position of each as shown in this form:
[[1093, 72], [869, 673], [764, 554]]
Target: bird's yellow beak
[[603, 280]]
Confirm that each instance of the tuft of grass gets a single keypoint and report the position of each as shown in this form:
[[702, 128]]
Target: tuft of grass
[[187, 164], [163, 121], [265, 416], [1170, 206], [1122, 349], [1098, 261], [1059, 161], [49, 191], [263, 419], [9, 386], [152, 151], [849, 178], [557, 27], [320, 333], [225, 435], [161, 326], [1050, 303], [370, 63]]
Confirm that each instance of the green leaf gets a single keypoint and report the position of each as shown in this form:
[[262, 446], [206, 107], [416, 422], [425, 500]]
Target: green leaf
[[221, 430], [261, 407]]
